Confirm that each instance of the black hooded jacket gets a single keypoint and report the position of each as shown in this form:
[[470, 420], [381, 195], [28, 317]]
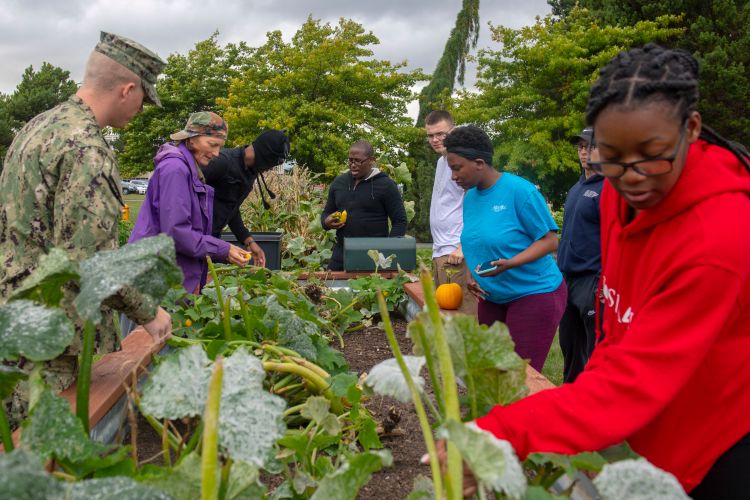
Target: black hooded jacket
[[232, 182], [369, 206]]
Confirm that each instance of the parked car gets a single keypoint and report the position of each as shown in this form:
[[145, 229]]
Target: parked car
[[127, 187], [140, 185]]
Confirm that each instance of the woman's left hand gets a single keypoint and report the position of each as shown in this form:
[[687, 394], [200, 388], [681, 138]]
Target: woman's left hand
[[501, 265]]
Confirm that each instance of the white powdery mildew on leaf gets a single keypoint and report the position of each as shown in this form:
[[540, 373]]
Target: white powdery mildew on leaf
[[33, 331], [22, 476], [250, 419], [147, 266], [53, 431], [637, 480], [386, 378], [493, 461], [114, 488], [178, 387]]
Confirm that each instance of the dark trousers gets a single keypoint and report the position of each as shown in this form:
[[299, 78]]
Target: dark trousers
[[578, 323], [532, 321], [727, 479]]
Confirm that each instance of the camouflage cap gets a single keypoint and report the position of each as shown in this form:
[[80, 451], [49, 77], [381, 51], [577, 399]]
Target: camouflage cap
[[202, 123], [136, 58]]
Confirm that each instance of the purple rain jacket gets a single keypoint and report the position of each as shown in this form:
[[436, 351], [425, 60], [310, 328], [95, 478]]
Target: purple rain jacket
[[180, 205]]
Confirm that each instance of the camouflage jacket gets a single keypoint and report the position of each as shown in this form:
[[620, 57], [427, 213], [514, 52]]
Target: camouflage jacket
[[60, 187]]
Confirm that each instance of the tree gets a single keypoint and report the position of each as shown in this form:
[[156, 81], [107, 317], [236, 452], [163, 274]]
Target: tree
[[718, 34], [191, 82], [38, 91], [325, 89], [450, 67], [533, 90]]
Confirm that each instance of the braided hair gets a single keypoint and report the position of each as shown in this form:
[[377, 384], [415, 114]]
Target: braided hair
[[653, 73]]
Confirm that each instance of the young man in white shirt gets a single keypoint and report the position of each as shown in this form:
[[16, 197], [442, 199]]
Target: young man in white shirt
[[446, 214]]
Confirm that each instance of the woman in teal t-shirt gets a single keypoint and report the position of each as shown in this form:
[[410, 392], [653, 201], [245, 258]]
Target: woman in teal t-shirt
[[507, 222]]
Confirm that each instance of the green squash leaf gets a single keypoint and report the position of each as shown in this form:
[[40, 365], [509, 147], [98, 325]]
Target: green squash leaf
[[33, 331], [386, 378], [45, 284], [52, 431], [114, 488], [178, 386], [9, 377], [316, 409], [244, 482], [483, 357], [345, 482], [22, 477], [147, 268], [637, 479], [181, 481], [422, 489], [493, 461]]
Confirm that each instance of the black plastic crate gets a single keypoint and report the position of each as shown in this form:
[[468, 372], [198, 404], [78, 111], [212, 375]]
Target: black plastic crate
[[269, 242]]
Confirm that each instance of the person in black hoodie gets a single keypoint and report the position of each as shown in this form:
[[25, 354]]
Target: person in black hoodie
[[370, 198], [579, 259], [232, 175]]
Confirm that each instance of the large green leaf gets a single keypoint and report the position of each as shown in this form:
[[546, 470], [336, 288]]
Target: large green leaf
[[571, 464], [9, 377], [483, 357], [386, 378], [22, 477], [293, 332], [316, 409], [638, 480], [250, 418], [114, 488], [178, 387], [147, 268], [45, 284], [493, 462], [181, 481], [33, 331], [52, 431], [345, 482], [244, 483]]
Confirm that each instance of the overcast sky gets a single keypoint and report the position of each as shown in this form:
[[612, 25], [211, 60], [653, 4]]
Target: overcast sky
[[63, 32]]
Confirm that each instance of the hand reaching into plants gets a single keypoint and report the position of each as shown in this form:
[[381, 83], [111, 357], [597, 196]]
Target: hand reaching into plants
[[160, 328], [238, 256], [475, 289], [470, 482], [259, 256]]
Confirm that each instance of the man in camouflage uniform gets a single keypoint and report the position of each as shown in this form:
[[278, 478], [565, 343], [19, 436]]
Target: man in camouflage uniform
[[60, 187]]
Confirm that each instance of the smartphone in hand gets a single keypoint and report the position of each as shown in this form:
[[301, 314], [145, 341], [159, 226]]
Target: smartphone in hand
[[486, 267]]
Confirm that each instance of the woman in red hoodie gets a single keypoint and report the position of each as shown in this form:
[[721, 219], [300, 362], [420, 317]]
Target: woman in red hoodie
[[671, 372]]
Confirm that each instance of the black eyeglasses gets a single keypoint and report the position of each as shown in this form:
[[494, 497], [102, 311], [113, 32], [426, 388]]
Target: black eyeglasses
[[649, 167], [357, 161]]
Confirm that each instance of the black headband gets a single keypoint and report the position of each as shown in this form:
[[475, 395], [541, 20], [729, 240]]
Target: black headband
[[471, 153]]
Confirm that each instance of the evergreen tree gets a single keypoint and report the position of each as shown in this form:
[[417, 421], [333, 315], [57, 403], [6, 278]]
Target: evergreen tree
[[450, 67]]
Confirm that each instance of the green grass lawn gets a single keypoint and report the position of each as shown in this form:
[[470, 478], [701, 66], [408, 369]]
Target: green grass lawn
[[134, 201], [553, 367]]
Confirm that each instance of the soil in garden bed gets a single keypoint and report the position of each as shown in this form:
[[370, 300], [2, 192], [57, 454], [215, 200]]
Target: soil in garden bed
[[363, 350]]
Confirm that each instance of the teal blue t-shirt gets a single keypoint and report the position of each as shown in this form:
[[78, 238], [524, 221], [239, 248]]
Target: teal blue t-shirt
[[500, 222]]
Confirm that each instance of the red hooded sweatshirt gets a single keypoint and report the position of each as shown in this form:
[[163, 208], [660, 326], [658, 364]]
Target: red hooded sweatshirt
[[672, 374]]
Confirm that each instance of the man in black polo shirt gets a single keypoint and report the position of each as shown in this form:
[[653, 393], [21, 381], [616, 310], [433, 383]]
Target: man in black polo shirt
[[579, 259], [232, 175]]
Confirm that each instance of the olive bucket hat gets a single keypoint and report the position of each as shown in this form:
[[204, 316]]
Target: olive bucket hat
[[202, 123], [136, 58]]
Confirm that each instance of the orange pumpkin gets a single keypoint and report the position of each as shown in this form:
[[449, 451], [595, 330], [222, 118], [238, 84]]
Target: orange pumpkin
[[449, 296]]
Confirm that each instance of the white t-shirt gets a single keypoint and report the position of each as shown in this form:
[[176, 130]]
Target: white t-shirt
[[446, 211]]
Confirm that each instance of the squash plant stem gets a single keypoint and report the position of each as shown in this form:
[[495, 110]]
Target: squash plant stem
[[83, 384], [424, 424]]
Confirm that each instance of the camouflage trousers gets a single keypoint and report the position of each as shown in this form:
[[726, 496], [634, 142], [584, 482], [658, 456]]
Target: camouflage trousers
[[59, 373]]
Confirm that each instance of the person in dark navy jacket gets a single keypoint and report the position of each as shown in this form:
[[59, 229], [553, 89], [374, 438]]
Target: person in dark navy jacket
[[579, 259]]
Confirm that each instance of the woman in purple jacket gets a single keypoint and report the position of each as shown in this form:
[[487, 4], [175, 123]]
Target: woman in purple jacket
[[179, 203]]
